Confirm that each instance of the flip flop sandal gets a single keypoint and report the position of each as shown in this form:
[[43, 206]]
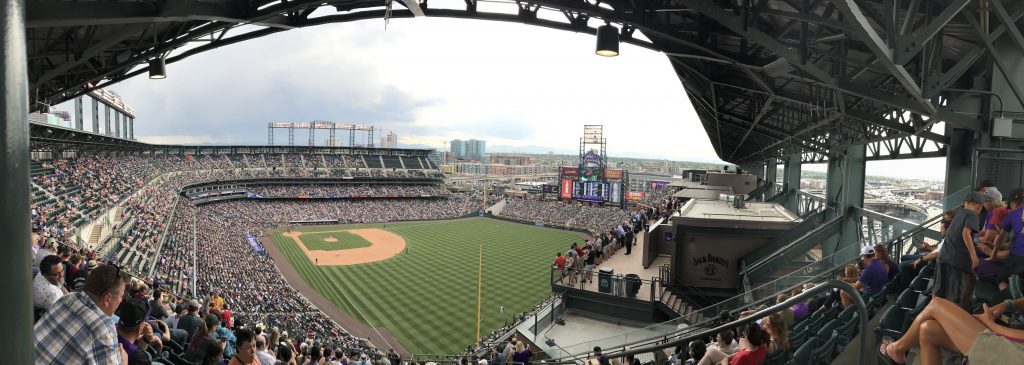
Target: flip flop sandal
[[884, 351]]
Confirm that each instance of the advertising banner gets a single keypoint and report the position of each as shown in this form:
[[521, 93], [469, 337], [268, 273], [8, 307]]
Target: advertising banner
[[616, 195], [613, 174], [635, 195], [570, 171], [566, 189]]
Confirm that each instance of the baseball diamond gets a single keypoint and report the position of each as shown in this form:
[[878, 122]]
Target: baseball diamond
[[426, 294]]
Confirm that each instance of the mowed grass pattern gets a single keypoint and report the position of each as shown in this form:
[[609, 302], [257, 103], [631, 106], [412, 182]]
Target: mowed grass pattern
[[315, 241], [427, 296]]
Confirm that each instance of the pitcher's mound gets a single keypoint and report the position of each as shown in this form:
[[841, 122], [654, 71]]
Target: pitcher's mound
[[330, 239]]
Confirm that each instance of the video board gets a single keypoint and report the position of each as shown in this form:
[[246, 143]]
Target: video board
[[590, 190]]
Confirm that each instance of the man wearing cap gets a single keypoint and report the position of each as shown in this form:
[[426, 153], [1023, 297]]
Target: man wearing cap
[[78, 328], [872, 278], [191, 321], [954, 273], [133, 333], [78, 280]]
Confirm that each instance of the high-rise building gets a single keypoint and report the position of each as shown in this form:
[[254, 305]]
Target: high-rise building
[[476, 150], [458, 149], [389, 141]]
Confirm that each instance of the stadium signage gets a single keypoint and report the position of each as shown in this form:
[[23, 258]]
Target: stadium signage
[[709, 258]]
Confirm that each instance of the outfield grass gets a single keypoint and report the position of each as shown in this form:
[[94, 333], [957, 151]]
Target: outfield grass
[[315, 241], [427, 296]]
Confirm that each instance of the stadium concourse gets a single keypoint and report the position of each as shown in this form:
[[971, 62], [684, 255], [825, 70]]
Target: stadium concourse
[[192, 263]]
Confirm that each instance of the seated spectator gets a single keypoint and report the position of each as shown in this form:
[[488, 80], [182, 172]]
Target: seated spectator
[[912, 264], [871, 280], [1014, 223], [944, 324], [720, 350], [246, 351], [757, 351], [157, 305], [191, 322], [265, 356], [891, 268], [778, 333], [696, 350], [48, 285], [133, 333], [78, 325]]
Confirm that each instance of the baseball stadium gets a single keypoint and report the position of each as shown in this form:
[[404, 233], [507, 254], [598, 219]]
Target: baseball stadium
[[176, 248]]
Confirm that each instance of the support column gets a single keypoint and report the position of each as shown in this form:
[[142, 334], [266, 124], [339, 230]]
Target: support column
[[117, 124], [131, 128], [845, 190], [79, 118], [770, 174], [15, 218], [95, 115], [791, 180], [959, 167], [106, 122]]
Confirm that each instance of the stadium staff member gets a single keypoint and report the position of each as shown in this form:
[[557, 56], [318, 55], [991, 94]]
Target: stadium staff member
[[79, 328]]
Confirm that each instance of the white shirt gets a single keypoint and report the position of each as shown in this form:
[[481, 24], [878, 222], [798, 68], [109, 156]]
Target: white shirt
[[45, 294], [265, 357]]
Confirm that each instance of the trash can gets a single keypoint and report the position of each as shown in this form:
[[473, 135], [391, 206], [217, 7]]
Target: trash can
[[604, 279], [632, 285]]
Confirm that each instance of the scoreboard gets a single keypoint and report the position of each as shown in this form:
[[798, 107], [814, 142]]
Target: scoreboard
[[607, 188]]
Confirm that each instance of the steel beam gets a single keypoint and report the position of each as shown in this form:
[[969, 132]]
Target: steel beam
[[757, 120], [1017, 91], [912, 44], [867, 35], [15, 263]]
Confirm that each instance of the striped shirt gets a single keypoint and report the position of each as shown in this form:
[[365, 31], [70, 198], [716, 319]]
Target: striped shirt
[[75, 331]]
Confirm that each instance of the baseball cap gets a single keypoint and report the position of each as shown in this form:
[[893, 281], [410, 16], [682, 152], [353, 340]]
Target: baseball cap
[[132, 312], [975, 197], [867, 251], [985, 184], [193, 304]]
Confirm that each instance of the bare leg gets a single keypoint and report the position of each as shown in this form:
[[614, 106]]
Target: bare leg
[[959, 326], [845, 299], [933, 337]]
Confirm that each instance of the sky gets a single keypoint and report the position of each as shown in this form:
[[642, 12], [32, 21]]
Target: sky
[[429, 80]]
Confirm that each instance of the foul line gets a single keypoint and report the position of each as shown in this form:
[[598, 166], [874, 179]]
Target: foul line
[[479, 286]]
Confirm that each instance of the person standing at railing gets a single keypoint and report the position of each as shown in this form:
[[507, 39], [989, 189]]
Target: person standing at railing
[[955, 270]]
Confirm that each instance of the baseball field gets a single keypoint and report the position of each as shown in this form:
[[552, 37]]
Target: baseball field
[[420, 279]]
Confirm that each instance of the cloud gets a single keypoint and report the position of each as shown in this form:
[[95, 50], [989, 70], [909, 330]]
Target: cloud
[[428, 80]]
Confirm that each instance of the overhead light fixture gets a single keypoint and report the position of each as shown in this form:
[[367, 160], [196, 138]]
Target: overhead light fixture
[[607, 40], [157, 68]]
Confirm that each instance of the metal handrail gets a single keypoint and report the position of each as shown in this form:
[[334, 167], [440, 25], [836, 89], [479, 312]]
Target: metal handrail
[[862, 310]]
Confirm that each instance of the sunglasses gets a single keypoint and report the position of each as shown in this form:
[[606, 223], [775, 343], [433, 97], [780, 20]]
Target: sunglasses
[[117, 275]]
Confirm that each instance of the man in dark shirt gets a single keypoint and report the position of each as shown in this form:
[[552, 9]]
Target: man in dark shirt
[[158, 311], [133, 333], [191, 321], [957, 259], [628, 241]]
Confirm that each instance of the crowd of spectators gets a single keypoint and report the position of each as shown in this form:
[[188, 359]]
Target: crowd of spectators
[[570, 214], [348, 190]]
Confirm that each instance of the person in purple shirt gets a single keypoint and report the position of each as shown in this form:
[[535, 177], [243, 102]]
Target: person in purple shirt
[[1013, 226], [872, 278]]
